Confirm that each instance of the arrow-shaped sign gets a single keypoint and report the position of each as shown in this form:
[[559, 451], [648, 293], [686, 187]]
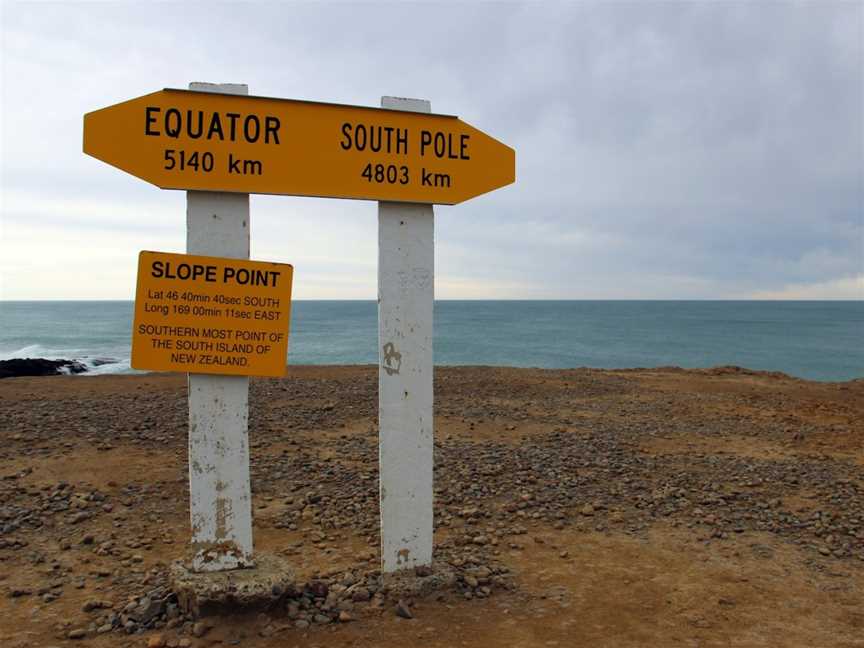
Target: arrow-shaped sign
[[179, 139]]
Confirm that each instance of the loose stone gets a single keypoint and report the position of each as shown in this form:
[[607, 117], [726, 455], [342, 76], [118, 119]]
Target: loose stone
[[402, 610]]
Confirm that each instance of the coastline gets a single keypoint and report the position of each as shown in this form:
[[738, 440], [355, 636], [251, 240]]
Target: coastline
[[812, 340], [63, 367], [602, 494]]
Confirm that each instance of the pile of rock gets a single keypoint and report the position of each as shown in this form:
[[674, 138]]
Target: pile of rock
[[338, 597]]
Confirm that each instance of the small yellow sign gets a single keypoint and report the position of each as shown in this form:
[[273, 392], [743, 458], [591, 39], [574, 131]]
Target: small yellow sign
[[201, 314], [179, 139]]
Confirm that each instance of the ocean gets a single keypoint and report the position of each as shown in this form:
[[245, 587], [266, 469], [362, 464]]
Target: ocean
[[815, 340]]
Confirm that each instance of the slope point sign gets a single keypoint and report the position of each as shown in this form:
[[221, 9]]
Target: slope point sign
[[179, 139], [211, 315]]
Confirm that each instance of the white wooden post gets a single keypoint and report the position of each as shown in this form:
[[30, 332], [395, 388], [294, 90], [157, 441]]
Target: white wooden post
[[220, 507], [406, 260]]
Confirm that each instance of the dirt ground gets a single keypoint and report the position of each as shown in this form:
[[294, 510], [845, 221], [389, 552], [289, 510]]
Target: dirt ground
[[582, 507]]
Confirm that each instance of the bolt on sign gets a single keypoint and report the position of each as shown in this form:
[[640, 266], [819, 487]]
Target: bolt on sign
[[178, 139], [203, 314]]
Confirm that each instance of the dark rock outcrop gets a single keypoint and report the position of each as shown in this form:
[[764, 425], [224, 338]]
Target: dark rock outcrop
[[39, 367], [98, 362]]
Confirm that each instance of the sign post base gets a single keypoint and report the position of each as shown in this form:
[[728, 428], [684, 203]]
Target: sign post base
[[249, 590]]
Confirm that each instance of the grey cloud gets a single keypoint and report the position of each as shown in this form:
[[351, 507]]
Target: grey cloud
[[711, 147]]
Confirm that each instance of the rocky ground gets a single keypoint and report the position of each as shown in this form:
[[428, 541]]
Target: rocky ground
[[576, 508]]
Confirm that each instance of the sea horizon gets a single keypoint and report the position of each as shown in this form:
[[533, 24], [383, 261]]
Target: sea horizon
[[817, 340]]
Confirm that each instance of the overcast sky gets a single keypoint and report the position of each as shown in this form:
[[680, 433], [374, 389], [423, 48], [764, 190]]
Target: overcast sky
[[664, 150]]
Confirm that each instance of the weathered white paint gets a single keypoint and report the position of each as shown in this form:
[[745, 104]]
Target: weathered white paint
[[405, 301], [217, 224]]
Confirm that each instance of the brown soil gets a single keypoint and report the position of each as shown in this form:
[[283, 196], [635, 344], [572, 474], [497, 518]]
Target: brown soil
[[627, 508]]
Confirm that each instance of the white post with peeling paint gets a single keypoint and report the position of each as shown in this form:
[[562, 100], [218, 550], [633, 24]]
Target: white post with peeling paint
[[220, 507], [406, 291]]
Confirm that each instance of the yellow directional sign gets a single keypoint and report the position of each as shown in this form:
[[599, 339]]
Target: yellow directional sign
[[179, 139], [202, 314]]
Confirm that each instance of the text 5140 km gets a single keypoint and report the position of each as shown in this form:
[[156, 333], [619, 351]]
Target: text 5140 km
[[205, 162]]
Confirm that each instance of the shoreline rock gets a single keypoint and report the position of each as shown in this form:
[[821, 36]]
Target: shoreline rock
[[20, 367]]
